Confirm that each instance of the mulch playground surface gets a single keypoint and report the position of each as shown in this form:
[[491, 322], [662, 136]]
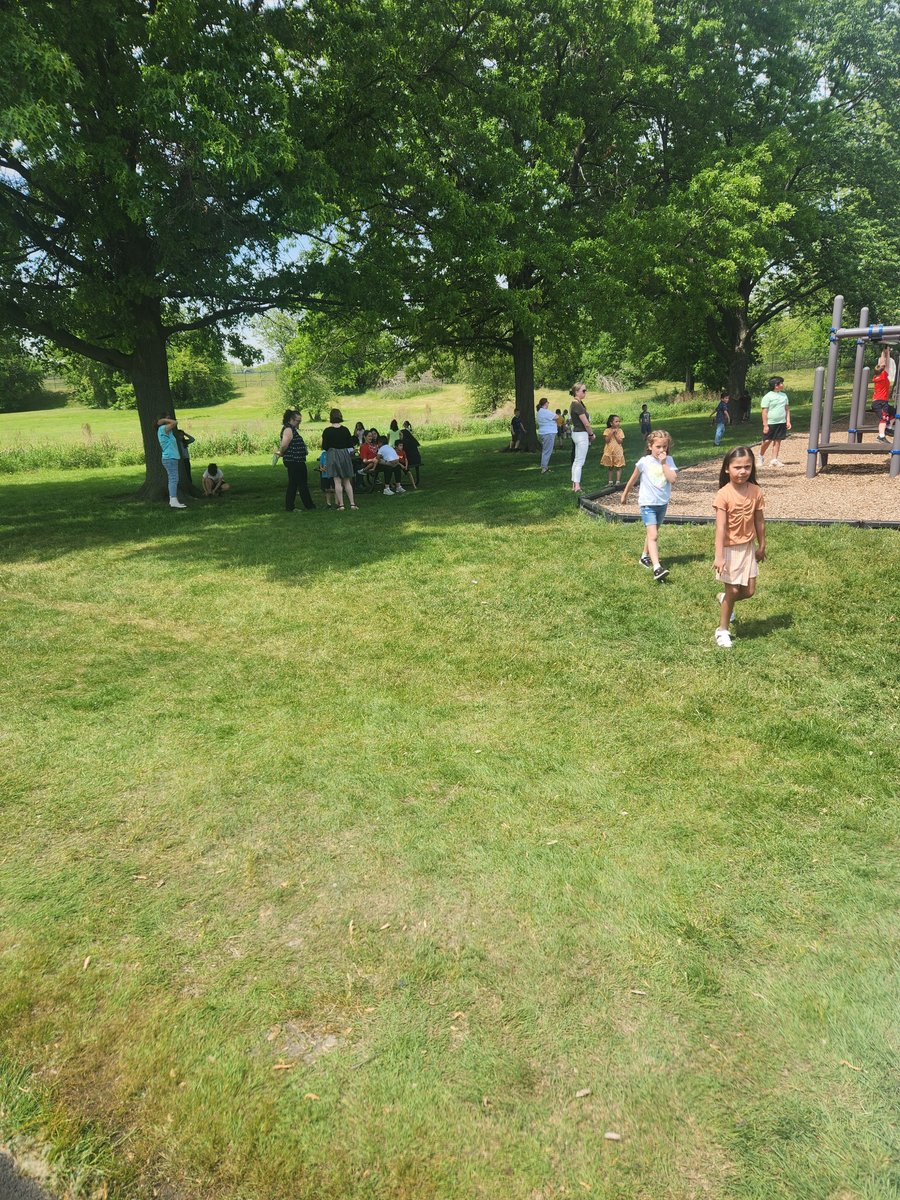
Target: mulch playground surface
[[854, 489]]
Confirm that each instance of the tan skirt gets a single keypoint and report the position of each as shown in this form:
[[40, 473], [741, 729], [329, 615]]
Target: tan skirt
[[740, 565]]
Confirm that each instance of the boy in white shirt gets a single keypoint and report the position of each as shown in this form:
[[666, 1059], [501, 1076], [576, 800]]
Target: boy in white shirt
[[214, 481]]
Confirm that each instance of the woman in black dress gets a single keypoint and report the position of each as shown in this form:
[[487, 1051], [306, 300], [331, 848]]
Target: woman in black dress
[[338, 444]]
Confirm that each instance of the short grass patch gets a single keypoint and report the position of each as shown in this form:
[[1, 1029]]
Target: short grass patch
[[410, 852]]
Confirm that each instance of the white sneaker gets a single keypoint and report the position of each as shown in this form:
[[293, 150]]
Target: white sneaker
[[776, 462], [723, 639], [387, 492], [175, 503], [400, 490]]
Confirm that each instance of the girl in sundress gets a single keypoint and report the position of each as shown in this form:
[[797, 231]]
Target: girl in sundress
[[613, 457]]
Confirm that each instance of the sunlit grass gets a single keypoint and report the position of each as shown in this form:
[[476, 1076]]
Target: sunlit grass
[[446, 810]]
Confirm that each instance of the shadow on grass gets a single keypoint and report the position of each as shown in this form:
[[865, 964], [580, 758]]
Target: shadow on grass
[[747, 630], [47, 517]]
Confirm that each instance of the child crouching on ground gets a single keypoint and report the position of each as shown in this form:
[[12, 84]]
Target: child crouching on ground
[[657, 472], [739, 505], [214, 481]]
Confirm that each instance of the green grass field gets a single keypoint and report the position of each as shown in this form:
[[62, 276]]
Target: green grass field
[[409, 853]]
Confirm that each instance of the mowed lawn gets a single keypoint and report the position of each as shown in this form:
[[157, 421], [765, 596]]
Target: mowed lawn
[[416, 852]]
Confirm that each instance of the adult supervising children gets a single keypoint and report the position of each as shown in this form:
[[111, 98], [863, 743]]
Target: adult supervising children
[[776, 420], [167, 435], [582, 433], [546, 431], [293, 453], [338, 444]]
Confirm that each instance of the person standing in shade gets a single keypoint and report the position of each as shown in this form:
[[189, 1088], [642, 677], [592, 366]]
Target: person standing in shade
[[776, 420], [167, 435], [582, 433], [411, 449], [722, 417], [338, 444], [293, 452], [546, 431]]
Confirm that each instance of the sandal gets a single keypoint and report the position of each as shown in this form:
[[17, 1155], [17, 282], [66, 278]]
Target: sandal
[[339, 507], [355, 506]]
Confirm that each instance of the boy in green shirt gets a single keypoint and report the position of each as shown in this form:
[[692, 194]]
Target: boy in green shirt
[[776, 420]]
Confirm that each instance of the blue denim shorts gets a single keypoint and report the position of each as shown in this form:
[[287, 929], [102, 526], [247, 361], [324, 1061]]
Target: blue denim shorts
[[653, 514]]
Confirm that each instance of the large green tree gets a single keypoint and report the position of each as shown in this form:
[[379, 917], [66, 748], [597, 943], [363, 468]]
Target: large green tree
[[155, 161], [764, 178], [483, 219]]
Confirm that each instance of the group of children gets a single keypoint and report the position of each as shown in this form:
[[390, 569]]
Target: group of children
[[740, 521], [375, 456]]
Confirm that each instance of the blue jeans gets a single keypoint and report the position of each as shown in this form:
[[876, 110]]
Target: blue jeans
[[171, 465], [720, 429], [548, 441]]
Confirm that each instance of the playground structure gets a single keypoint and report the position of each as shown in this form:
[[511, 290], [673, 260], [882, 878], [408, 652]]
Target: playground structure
[[820, 443]]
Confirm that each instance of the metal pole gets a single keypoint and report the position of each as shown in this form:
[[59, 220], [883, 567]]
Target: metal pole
[[875, 333], [815, 420], [855, 414], [895, 449], [833, 352], [864, 396]]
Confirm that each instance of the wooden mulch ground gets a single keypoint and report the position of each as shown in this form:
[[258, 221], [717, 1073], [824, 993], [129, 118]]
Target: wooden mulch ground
[[854, 489]]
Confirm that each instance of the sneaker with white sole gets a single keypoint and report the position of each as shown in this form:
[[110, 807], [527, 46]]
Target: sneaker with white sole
[[659, 573], [173, 503], [723, 639], [644, 560], [399, 490], [776, 462], [387, 492]]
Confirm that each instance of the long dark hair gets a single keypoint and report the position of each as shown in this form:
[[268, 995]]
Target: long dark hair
[[733, 453]]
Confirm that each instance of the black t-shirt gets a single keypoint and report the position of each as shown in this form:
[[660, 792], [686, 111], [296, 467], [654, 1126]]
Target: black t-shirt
[[575, 416], [339, 438]]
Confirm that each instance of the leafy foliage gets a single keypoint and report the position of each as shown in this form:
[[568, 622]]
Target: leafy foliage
[[21, 375]]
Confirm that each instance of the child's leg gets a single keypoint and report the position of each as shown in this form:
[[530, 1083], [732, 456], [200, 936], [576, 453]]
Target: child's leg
[[729, 596], [618, 475], [776, 450], [651, 544]]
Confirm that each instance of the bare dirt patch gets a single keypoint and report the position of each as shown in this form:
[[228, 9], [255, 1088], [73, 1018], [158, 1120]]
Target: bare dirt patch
[[853, 488]]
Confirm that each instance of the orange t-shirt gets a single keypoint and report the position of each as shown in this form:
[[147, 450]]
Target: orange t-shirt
[[739, 512]]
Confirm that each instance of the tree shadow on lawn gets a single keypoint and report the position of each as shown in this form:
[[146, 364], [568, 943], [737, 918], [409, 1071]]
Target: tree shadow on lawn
[[49, 519]]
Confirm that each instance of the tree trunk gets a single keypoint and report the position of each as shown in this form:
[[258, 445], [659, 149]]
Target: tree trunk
[[523, 366], [732, 337], [689, 379], [149, 375]]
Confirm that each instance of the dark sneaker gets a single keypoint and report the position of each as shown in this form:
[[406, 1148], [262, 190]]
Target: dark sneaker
[[660, 573], [644, 560]]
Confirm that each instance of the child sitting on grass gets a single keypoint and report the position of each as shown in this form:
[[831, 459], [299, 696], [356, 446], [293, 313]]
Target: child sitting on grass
[[214, 481]]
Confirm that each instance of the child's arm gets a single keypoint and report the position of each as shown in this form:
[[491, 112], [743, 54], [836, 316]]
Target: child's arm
[[787, 415], [721, 526], [630, 484], [661, 457], [759, 521]]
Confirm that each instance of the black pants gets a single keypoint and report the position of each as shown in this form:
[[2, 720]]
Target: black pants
[[297, 482], [390, 474]]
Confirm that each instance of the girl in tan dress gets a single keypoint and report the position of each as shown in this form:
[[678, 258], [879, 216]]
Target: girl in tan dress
[[613, 457]]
